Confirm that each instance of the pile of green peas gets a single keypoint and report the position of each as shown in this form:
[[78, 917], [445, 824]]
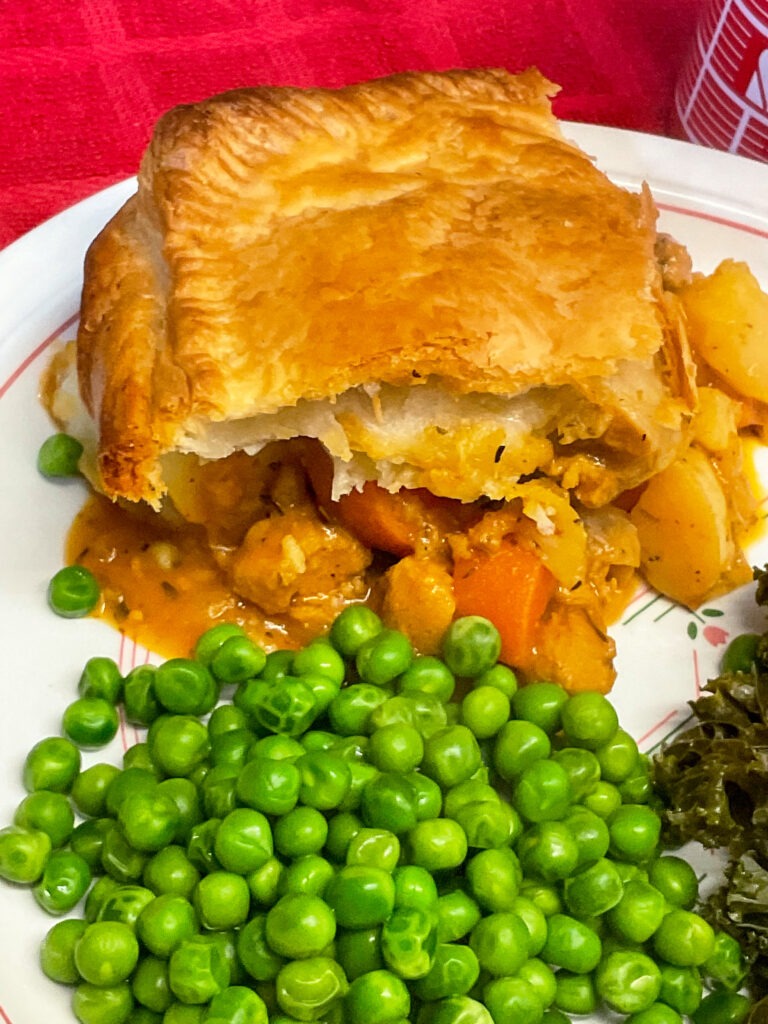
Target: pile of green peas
[[342, 839]]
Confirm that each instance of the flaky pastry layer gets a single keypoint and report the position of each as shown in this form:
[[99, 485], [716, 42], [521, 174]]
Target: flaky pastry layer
[[289, 246]]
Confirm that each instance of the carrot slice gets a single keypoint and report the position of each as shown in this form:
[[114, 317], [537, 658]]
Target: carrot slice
[[512, 588], [379, 519]]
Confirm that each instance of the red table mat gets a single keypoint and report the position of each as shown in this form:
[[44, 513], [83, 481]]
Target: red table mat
[[83, 81]]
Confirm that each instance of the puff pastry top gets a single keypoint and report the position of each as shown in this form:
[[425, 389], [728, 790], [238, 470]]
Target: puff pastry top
[[289, 244]]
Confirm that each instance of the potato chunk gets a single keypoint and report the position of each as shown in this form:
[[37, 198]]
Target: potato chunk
[[294, 556], [418, 599], [683, 525], [728, 326]]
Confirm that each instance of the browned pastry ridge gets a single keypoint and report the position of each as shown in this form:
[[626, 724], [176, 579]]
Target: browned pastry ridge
[[292, 248]]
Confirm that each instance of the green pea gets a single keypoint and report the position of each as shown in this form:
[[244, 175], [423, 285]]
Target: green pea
[[494, 878], [98, 1004], [197, 971], [409, 941], [185, 687], [439, 844], [582, 768], [604, 800], [100, 890], [484, 710], [101, 678], [324, 780], [454, 972], [264, 882], [182, 1013], [359, 951], [389, 802], [184, 795], [218, 790], [639, 912], [47, 812], [590, 833], [308, 875], [722, 1008], [548, 851], [457, 915], [139, 700], [637, 787], [320, 659], [53, 763], [589, 720], [300, 926], [571, 944], [149, 985], [500, 942], [513, 999], [535, 923], [89, 790], [352, 628], [428, 796], [106, 953], [302, 831], [243, 841], [628, 981], [427, 674], [617, 757], [396, 748], [635, 831], [226, 941], [488, 824], [212, 640], [454, 1010], [90, 722], [739, 655], [681, 988], [310, 988], [575, 993], [383, 657], [57, 951], [540, 703], [414, 887], [500, 676], [236, 660], [222, 900], [200, 843], [378, 997], [340, 831], [421, 710], [124, 904], [279, 664], [73, 592], [65, 880], [361, 896], [684, 939], [542, 791], [181, 744], [59, 455], [139, 756], [541, 978], [127, 783], [149, 820], [594, 890], [657, 1013], [238, 1005], [725, 966], [165, 923], [517, 745], [451, 756], [545, 896], [171, 871], [284, 705], [254, 952], [375, 847], [470, 646], [676, 881]]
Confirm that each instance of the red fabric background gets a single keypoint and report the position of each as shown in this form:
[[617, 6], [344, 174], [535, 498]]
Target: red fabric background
[[83, 81]]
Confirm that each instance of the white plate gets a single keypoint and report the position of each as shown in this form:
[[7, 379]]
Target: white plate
[[715, 203]]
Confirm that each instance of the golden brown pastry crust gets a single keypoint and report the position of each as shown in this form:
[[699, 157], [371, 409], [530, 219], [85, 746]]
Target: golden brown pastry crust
[[289, 244]]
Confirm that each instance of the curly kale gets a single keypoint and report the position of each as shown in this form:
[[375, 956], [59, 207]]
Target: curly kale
[[713, 778]]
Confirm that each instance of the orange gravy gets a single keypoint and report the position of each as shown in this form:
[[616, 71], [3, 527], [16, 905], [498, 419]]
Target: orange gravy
[[160, 584]]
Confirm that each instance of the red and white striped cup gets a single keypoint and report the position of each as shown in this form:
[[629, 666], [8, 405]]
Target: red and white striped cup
[[722, 93]]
